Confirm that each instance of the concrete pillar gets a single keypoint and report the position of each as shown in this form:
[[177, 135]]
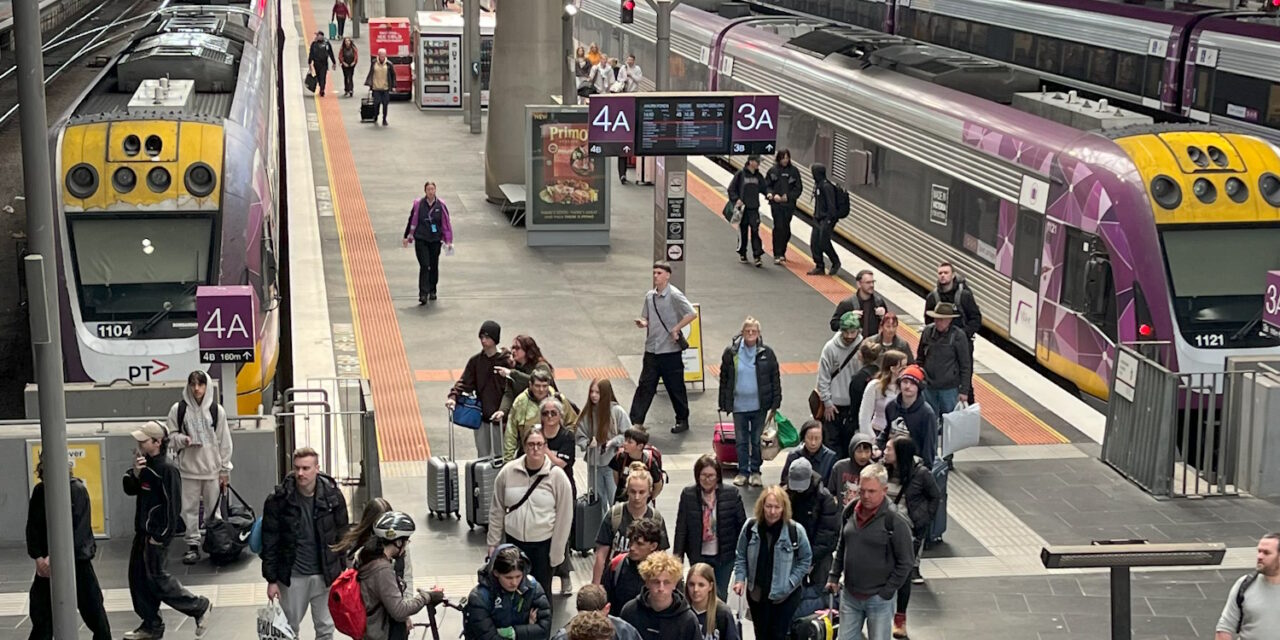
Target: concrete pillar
[[526, 70], [402, 9]]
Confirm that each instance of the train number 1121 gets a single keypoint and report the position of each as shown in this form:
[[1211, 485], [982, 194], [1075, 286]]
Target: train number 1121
[[1210, 340]]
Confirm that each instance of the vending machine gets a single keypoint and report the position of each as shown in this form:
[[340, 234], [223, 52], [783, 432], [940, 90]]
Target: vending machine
[[438, 42], [396, 36]]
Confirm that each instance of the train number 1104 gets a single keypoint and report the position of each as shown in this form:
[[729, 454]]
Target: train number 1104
[[115, 330]]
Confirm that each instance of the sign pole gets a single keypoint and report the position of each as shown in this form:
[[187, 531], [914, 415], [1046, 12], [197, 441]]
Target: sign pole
[[471, 28], [673, 169]]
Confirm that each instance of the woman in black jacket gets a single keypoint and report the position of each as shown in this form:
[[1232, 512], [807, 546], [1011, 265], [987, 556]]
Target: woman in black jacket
[[783, 188], [710, 516], [750, 389], [918, 497]]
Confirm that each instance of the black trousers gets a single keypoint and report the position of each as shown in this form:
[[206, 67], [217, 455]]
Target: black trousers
[[151, 584], [342, 26], [669, 367], [904, 592], [781, 228], [348, 79], [820, 243], [88, 600], [750, 226], [622, 167], [428, 266], [773, 621], [322, 77], [837, 433], [540, 560]]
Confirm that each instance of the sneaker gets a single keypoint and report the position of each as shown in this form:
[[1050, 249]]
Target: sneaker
[[143, 633], [202, 620], [431, 296], [899, 625], [192, 555], [916, 578], [816, 271], [422, 300], [835, 269], [566, 586], [778, 260], [384, 122], [680, 427], [759, 263], [742, 259], [740, 481], [755, 480]]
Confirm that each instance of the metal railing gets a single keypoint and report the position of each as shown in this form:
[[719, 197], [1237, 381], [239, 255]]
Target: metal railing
[[334, 416]]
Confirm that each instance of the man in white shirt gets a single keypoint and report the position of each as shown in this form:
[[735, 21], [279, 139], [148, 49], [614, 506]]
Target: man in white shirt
[[632, 74]]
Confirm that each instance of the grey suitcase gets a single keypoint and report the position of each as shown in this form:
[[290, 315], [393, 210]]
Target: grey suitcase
[[481, 474], [587, 514], [442, 482]]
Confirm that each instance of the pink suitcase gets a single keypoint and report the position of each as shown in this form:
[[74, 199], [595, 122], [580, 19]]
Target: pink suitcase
[[724, 443]]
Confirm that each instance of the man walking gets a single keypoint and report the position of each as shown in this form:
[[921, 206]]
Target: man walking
[[201, 441], [301, 521], [158, 487], [745, 191], [865, 300], [874, 554], [381, 80], [944, 354], [836, 366], [88, 593], [319, 57], [1252, 611], [666, 311], [952, 288], [825, 217]]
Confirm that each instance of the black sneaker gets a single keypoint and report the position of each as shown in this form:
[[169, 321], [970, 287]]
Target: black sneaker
[[759, 263], [422, 300], [144, 633], [680, 427], [192, 555], [431, 296], [742, 259], [835, 269], [816, 271]]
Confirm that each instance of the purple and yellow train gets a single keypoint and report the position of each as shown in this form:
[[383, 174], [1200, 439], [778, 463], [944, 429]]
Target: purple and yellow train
[[1073, 240]]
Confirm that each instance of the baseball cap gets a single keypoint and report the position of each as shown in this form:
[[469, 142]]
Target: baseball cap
[[150, 431], [914, 373], [800, 474], [850, 320]]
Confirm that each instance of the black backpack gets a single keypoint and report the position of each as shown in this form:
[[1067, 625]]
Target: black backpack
[[842, 201], [226, 536], [1244, 584], [182, 415]]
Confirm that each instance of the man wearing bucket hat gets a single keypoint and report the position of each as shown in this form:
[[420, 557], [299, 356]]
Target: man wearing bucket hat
[[831, 402], [944, 355]]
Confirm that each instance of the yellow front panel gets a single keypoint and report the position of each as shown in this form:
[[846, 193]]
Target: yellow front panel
[[200, 143], [165, 131], [84, 143], [1179, 141]]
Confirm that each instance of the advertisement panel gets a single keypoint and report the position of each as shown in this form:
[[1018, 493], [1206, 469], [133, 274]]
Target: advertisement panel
[[566, 185], [86, 459]]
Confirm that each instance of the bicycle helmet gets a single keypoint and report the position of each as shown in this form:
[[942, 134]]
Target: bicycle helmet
[[394, 525]]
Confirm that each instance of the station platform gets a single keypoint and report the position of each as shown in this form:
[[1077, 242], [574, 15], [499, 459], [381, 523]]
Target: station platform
[[1035, 480]]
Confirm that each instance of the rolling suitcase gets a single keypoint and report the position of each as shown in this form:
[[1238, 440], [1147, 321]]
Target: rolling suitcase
[[368, 110], [724, 442], [941, 468], [442, 482], [587, 514], [821, 625], [333, 30], [481, 474]]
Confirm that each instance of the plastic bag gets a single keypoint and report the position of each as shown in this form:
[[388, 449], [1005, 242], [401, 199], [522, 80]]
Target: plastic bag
[[961, 428], [273, 624], [787, 435]]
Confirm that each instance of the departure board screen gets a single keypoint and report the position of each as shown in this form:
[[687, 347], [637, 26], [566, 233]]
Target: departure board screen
[[683, 125]]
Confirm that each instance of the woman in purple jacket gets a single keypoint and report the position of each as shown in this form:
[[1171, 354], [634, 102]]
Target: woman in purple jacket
[[428, 229]]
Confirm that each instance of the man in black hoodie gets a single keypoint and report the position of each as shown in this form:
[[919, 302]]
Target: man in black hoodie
[[745, 191], [824, 221], [661, 611], [158, 486], [784, 189], [813, 507]]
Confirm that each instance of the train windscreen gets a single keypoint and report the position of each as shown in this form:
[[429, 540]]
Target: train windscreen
[[134, 268], [1218, 278]]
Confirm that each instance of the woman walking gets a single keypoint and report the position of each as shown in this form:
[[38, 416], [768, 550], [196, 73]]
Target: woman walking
[[772, 560], [715, 619], [600, 428], [750, 390], [879, 393], [348, 56], [562, 450], [428, 229], [914, 491], [710, 517], [532, 507]]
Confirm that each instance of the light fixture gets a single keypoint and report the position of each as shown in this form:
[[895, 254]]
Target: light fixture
[[570, 9]]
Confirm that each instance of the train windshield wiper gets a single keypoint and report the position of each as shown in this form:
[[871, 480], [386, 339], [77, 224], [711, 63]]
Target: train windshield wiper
[[1248, 326], [168, 306]]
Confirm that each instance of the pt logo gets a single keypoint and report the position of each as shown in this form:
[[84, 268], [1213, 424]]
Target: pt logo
[[145, 372]]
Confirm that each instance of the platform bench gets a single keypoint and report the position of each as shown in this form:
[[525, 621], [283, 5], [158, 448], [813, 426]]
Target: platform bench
[[515, 196]]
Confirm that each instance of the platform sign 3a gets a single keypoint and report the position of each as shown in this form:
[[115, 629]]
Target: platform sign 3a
[[1271, 305], [85, 457], [226, 319], [755, 124]]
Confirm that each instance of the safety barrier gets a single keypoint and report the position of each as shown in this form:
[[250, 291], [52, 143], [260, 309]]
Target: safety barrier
[[334, 416]]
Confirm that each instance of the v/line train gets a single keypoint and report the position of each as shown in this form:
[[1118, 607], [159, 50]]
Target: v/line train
[[167, 180], [1073, 241], [1204, 64]]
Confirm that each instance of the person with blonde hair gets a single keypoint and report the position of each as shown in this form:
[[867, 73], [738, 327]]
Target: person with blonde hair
[[715, 620], [590, 625], [661, 611], [750, 391], [600, 427], [612, 539], [772, 561]]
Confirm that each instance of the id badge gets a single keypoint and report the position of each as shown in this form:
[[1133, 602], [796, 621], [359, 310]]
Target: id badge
[[433, 229]]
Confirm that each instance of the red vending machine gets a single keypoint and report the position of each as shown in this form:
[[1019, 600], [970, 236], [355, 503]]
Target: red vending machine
[[396, 36]]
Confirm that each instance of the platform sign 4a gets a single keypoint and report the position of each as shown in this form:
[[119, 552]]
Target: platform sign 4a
[[611, 125], [1271, 305], [226, 320]]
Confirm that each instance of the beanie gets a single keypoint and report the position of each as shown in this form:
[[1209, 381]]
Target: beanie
[[491, 329]]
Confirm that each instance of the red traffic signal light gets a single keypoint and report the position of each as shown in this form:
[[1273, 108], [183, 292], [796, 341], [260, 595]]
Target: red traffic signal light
[[628, 12]]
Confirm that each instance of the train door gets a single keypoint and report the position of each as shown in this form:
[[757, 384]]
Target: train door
[[1026, 289]]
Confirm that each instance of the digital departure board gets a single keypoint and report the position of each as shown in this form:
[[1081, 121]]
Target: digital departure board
[[683, 125]]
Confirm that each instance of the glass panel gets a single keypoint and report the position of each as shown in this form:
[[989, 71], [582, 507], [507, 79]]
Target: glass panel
[[977, 38], [131, 267], [1240, 97], [1048, 55], [1027, 247], [1129, 72], [1219, 297], [1075, 257], [1203, 89], [1024, 49], [1273, 107], [1101, 66], [940, 30], [1154, 78], [924, 22], [1074, 61], [959, 34]]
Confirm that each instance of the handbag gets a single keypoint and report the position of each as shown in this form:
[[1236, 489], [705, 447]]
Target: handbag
[[769, 445], [310, 81], [467, 412], [617, 86], [681, 341], [815, 399]]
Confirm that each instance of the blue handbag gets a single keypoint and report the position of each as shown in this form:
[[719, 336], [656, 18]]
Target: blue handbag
[[255, 536], [467, 412]]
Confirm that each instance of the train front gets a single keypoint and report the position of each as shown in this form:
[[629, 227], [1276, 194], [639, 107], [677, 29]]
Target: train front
[[1216, 203]]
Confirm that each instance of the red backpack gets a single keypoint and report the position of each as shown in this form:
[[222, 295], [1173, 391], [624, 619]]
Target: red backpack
[[346, 606]]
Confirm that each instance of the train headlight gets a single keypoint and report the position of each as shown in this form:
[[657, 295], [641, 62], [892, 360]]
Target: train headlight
[[1166, 192], [158, 179], [131, 145], [1269, 185], [124, 180], [1237, 190], [1219, 158], [1197, 156], [154, 145], [82, 180], [199, 179], [1204, 190]]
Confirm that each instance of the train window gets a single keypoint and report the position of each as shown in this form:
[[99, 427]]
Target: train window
[[1240, 97], [1273, 107], [940, 30], [799, 130], [1129, 72], [1154, 77], [1075, 262], [1102, 64], [1024, 49], [906, 21], [980, 218], [997, 42], [1049, 54], [1203, 88], [1028, 246], [1074, 61], [959, 34], [977, 38], [924, 21]]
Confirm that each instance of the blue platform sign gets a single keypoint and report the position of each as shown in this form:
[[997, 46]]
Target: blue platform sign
[[227, 323]]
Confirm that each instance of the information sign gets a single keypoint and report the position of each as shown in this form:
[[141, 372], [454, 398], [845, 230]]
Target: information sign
[[1271, 305], [679, 126], [694, 367], [611, 130], [85, 457], [755, 124], [675, 124], [227, 323]]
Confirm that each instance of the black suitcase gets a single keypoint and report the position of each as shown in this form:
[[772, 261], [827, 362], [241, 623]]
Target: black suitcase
[[481, 474], [368, 109], [587, 514], [442, 482], [311, 82], [823, 625], [941, 468]]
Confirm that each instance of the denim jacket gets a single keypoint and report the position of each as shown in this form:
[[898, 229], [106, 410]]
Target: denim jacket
[[791, 560]]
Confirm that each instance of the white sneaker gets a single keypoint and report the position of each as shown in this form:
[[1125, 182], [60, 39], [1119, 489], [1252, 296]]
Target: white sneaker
[[755, 480], [740, 481], [202, 621]]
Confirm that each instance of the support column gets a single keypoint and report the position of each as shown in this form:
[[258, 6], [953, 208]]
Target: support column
[[669, 220], [471, 62]]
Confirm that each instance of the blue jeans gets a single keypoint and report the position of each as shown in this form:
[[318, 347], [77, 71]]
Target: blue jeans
[[723, 570], [875, 611], [748, 426], [942, 400]]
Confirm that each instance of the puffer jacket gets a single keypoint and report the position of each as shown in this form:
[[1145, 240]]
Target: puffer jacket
[[490, 608], [920, 495], [281, 517], [201, 447], [384, 599], [822, 462], [768, 376], [818, 512], [731, 514]]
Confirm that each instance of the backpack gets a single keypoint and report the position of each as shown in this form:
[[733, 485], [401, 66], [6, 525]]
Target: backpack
[[649, 455], [1244, 584], [615, 565], [182, 415], [346, 606], [842, 201]]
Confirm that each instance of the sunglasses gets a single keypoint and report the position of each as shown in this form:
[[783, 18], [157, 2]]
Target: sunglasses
[[551, 413]]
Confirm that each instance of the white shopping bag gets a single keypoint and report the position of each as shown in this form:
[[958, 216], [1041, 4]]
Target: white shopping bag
[[961, 428], [273, 624]]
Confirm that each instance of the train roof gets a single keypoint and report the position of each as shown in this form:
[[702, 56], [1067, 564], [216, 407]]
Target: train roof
[[1261, 26], [1148, 11]]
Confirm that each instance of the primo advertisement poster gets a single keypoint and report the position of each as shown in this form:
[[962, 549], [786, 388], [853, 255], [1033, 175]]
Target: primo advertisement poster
[[568, 184]]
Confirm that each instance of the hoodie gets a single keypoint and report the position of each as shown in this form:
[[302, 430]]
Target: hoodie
[[747, 186], [918, 420], [384, 599], [843, 481], [676, 622], [833, 379], [158, 487], [824, 194], [202, 448], [490, 607]]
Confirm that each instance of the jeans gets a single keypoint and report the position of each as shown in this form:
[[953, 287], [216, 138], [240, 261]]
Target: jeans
[[748, 426], [301, 593], [772, 621], [875, 611], [322, 77], [151, 584], [88, 600], [750, 226], [605, 486], [348, 79], [942, 400], [820, 243], [781, 228], [193, 491], [428, 266], [382, 99], [669, 367]]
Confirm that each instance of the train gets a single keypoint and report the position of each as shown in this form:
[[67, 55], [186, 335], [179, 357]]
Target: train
[[1187, 61], [167, 178], [1073, 241]]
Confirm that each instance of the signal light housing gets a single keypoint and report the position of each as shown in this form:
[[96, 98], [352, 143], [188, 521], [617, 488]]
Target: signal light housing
[[628, 14]]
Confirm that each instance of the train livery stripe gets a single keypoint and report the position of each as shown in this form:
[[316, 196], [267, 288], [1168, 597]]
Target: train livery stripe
[[380, 345], [1007, 416]]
